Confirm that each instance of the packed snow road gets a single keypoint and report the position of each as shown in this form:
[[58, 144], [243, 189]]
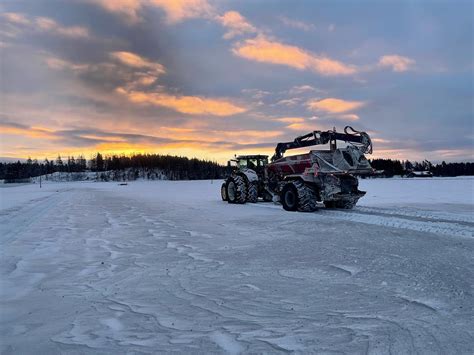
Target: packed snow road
[[167, 266]]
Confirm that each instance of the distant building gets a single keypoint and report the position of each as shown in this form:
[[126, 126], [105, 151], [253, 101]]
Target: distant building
[[413, 174]]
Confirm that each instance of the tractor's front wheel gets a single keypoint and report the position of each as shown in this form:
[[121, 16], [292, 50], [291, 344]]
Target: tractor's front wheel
[[236, 190], [224, 192]]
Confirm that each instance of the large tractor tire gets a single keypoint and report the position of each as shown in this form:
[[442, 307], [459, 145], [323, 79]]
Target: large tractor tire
[[289, 197], [306, 197], [297, 196], [236, 189], [224, 192], [252, 192]]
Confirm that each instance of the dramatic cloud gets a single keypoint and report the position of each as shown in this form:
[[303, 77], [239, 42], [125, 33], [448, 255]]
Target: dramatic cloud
[[332, 105], [396, 62], [78, 74], [267, 51], [236, 24], [193, 105]]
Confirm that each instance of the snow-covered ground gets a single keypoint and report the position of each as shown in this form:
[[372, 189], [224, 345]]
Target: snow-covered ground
[[166, 266]]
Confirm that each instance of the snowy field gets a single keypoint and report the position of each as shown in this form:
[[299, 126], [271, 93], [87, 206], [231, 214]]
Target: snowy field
[[168, 267]]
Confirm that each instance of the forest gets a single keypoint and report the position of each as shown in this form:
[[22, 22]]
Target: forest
[[151, 166]]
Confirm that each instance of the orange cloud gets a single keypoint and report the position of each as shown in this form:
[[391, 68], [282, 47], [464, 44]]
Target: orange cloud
[[332, 105], [179, 10], [135, 61], [236, 24], [266, 51], [396, 62], [185, 104], [291, 119], [32, 132], [114, 139], [175, 10]]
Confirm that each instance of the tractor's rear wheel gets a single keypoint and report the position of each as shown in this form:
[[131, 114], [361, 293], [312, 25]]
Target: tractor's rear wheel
[[224, 192], [236, 190], [252, 192]]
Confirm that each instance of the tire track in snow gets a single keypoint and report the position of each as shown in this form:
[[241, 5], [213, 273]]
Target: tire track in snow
[[443, 223], [419, 224]]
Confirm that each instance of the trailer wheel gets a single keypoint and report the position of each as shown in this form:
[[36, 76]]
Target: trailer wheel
[[306, 197], [236, 190], [252, 192], [289, 197], [224, 192]]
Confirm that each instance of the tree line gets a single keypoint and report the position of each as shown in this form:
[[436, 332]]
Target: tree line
[[124, 167], [151, 166], [390, 167]]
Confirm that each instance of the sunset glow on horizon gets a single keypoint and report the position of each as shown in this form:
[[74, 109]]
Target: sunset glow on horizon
[[210, 79]]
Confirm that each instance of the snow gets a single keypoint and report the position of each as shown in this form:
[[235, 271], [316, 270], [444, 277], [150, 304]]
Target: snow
[[163, 266]]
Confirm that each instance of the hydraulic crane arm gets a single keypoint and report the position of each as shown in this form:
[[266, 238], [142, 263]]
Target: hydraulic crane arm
[[361, 140]]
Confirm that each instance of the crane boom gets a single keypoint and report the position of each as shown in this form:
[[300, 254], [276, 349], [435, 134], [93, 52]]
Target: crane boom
[[359, 139]]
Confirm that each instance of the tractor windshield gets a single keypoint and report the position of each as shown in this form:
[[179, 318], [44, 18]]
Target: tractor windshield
[[252, 163]]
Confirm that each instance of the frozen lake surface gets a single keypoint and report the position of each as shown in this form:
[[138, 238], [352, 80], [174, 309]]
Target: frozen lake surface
[[166, 266]]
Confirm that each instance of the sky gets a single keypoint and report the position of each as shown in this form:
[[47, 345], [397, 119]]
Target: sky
[[210, 79]]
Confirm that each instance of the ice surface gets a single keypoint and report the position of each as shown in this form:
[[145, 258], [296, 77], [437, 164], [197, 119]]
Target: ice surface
[[167, 267]]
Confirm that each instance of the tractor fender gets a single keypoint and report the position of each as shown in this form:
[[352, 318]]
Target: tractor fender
[[250, 174]]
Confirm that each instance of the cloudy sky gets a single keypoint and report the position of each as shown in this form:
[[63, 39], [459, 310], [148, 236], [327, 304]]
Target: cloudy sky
[[212, 78]]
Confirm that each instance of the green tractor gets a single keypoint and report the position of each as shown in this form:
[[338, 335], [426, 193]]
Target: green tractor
[[246, 182]]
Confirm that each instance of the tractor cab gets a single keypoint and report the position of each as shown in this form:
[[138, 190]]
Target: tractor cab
[[254, 162]]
